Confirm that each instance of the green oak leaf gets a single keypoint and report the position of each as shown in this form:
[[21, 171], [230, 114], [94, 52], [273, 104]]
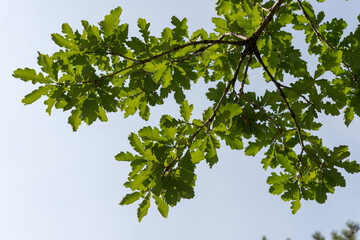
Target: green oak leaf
[[63, 42], [28, 74], [162, 206], [295, 204], [136, 143], [111, 21], [125, 156], [101, 69], [89, 110], [253, 148], [143, 208], [321, 194], [130, 198], [185, 110], [149, 133], [36, 94], [75, 119]]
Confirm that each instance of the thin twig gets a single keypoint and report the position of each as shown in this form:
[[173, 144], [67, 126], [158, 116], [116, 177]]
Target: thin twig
[[242, 37], [241, 91], [219, 3], [282, 94], [193, 54], [202, 49], [226, 90], [141, 62], [120, 55], [267, 19], [314, 155], [301, 95], [300, 161], [263, 8], [261, 110], [322, 39], [244, 41], [113, 54]]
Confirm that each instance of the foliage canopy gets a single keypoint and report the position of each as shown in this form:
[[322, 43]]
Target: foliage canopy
[[348, 233], [101, 69]]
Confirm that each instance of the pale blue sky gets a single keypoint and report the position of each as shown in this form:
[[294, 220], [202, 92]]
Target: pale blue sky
[[56, 184]]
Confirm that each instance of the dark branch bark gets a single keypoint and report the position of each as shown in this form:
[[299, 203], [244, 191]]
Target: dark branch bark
[[267, 19], [301, 95], [283, 96], [322, 39], [226, 90], [243, 41], [175, 49]]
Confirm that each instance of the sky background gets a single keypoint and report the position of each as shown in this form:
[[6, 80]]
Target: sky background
[[56, 184]]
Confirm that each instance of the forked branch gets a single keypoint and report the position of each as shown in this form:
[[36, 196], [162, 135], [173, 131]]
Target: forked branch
[[209, 43], [226, 90], [241, 91], [267, 19]]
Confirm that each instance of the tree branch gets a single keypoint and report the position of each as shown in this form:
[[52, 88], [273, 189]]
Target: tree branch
[[301, 95], [322, 39], [267, 19], [244, 40], [114, 54], [282, 94], [117, 54], [241, 91], [261, 110], [177, 48], [264, 9], [242, 37], [226, 90], [202, 49]]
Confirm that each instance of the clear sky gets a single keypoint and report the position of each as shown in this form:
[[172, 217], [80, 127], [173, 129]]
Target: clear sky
[[56, 184]]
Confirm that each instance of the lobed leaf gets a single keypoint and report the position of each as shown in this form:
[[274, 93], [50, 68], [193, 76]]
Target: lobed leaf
[[136, 143], [63, 42], [185, 110], [28, 74], [143, 208], [36, 94], [111, 21], [130, 198]]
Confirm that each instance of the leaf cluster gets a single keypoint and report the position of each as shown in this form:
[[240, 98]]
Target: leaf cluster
[[102, 70]]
